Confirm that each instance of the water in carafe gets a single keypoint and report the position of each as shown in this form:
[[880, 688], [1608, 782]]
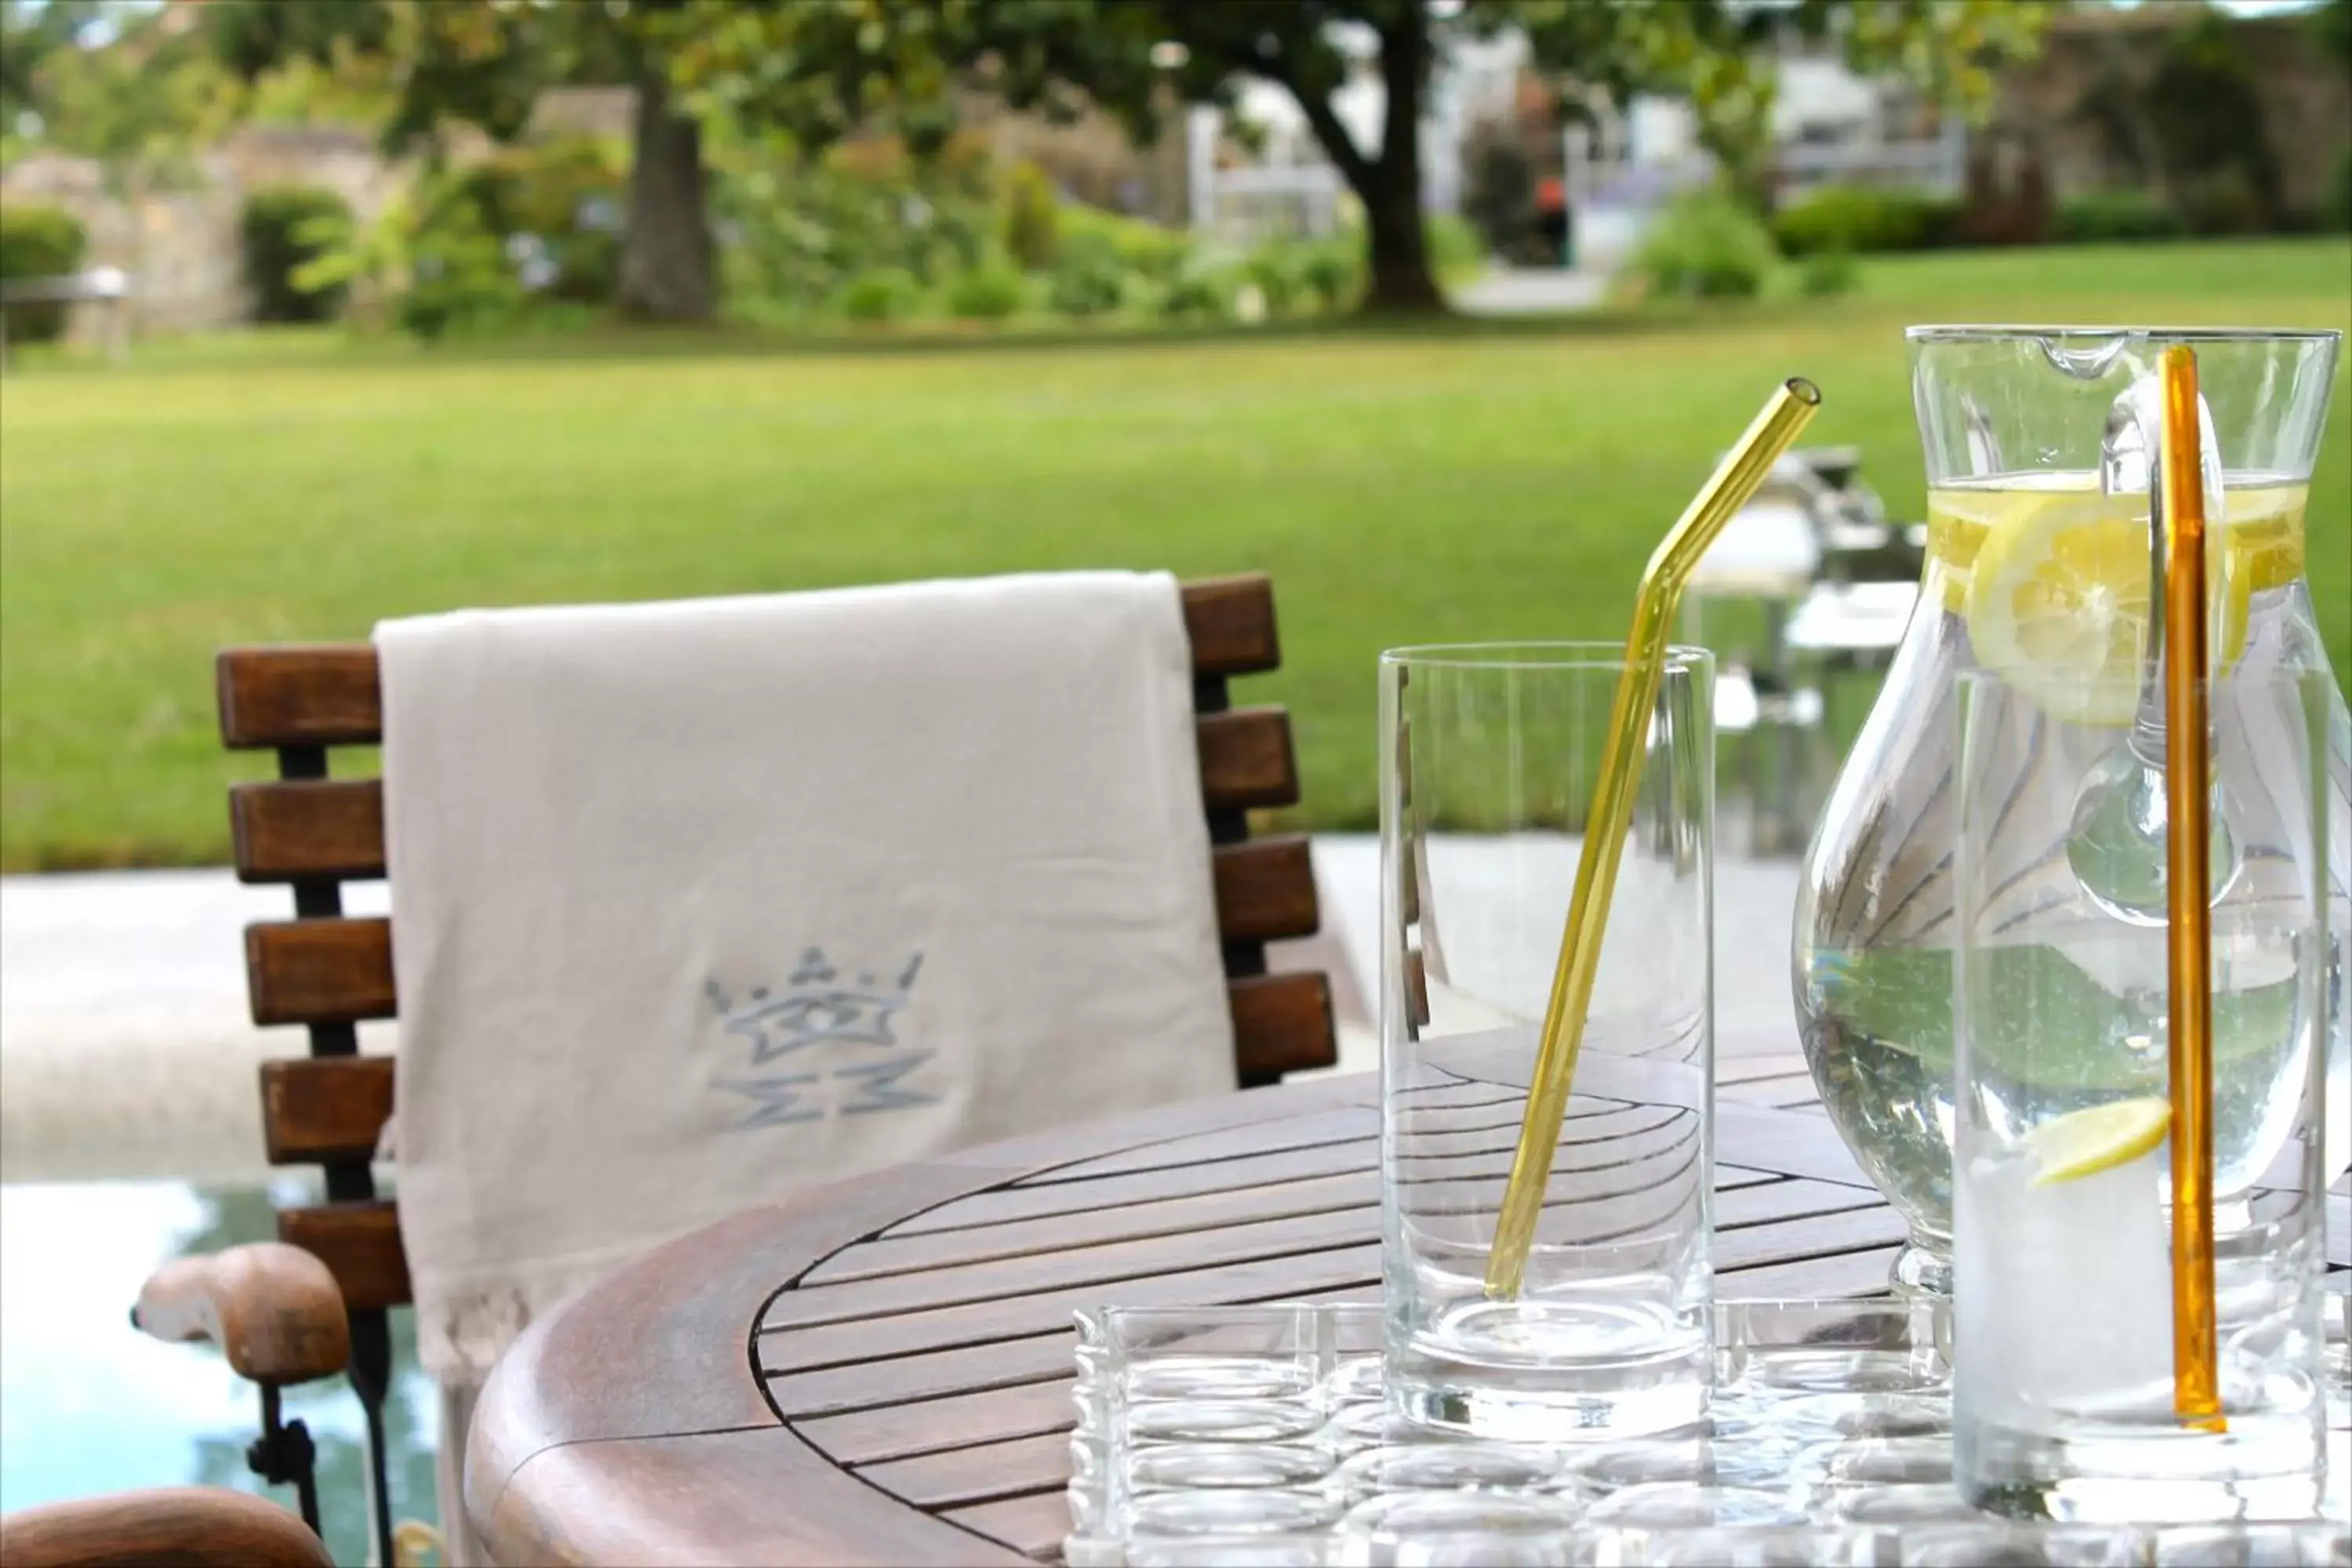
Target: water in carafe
[[2039, 445]]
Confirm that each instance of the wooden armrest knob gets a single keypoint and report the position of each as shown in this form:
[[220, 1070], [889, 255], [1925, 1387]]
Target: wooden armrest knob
[[272, 1308], [189, 1527]]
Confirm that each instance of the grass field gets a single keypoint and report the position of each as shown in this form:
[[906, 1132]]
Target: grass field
[[1479, 483]]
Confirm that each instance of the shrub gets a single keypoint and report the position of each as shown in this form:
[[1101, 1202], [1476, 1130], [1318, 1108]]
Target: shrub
[[2336, 205], [283, 228], [883, 294], [1453, 245], [1032, 218], [1707, 246], [1278, 273], [459, 281], [1091, 279], [2114, 215], [1199, 292], [38, 242], [2225, 202], [562, 203], [1156, 253], [1853, 218], [987, 293], [799, 234], [1827, 274], [1333, 270]]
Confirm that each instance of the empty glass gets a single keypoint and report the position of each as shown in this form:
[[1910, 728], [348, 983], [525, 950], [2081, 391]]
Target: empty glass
[[2063, 1285], [1488, 761]]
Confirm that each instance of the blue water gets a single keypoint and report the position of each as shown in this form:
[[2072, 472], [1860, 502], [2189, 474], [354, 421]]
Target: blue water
[[88, 1405]]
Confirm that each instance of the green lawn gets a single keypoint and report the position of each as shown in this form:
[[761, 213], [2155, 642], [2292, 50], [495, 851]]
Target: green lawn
[[1401, 488]]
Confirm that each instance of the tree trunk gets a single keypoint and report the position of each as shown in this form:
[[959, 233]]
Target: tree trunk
[[667, 262], [1400, 283]]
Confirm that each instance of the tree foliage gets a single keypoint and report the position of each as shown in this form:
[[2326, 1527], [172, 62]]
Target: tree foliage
[[125, 84], [825, 68]]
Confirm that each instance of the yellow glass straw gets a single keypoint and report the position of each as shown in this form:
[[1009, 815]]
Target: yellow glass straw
[[1735, 482], [2187, 778]]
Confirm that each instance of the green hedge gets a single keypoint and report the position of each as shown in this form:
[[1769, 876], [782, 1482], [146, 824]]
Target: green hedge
[[989, 292], [281, 229], [2114, 215], [38, 242], [1708, 245], [1857, 219]]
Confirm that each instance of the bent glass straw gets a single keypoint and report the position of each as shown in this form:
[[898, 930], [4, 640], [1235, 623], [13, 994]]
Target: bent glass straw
[[1734, 484]]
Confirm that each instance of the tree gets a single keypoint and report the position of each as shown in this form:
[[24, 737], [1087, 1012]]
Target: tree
[[824, 67], [119, 83], [485, 63]]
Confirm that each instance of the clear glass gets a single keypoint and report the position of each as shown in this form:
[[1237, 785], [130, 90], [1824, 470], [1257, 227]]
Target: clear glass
[[1837, 1413], [2038, 433], [1488, 760], [2063, 1277], [1214, 1422]]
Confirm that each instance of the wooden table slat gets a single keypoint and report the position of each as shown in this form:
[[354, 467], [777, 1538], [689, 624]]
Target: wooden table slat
[[904, 1253], [871, 1344], [1350, 1125], [1753, 1136], [1762, 1223], [954, 1421], [992, 1353], [1035, 1525], [981, 1473], [875, 1302]]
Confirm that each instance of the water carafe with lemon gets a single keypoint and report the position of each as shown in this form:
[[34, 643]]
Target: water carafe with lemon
[[2041, 447]]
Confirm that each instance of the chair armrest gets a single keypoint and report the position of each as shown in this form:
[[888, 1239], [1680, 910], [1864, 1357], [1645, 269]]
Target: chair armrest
[[273, 1310], [188, 1527]]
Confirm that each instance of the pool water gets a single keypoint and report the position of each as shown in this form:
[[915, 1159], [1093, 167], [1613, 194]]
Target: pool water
[[89, 1405]]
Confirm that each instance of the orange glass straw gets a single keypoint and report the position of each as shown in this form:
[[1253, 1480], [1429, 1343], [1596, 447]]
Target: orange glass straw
[[1734, 483], [2188, 782]]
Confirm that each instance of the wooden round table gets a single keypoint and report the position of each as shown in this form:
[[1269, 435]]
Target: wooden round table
[[880, 1371]]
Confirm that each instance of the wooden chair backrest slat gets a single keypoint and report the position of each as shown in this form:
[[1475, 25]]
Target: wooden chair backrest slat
[[339, 970], [330, 971], [334, 1108], [327, 694], [287, 830], [359, 1244]]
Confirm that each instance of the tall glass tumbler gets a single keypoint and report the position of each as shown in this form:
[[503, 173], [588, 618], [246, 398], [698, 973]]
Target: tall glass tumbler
[[1489, 754], [2062, 1289]]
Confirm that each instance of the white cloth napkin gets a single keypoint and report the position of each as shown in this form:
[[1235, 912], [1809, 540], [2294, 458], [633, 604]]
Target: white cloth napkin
[[697, 903]]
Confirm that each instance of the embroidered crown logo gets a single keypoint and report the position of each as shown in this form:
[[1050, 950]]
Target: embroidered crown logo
[[823, 1006], [818, 1006]]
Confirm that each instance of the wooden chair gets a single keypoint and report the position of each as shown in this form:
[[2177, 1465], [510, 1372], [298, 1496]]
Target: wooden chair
[[329, 972], [276, 1314], [169, 1527]]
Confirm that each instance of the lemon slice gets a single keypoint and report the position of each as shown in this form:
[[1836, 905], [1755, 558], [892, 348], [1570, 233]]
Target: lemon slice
[[2058, 601], [2099, 1138]]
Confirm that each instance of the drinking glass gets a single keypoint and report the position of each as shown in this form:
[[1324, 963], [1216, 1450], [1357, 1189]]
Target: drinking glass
[[2063, 1285], [1488, 761]]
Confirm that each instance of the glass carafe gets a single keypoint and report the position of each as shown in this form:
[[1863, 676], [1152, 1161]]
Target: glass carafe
[[2040, 444]]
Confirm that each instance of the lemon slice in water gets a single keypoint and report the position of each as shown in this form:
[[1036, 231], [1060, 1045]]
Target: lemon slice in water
[[2059, 599], [2097, 1138]]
